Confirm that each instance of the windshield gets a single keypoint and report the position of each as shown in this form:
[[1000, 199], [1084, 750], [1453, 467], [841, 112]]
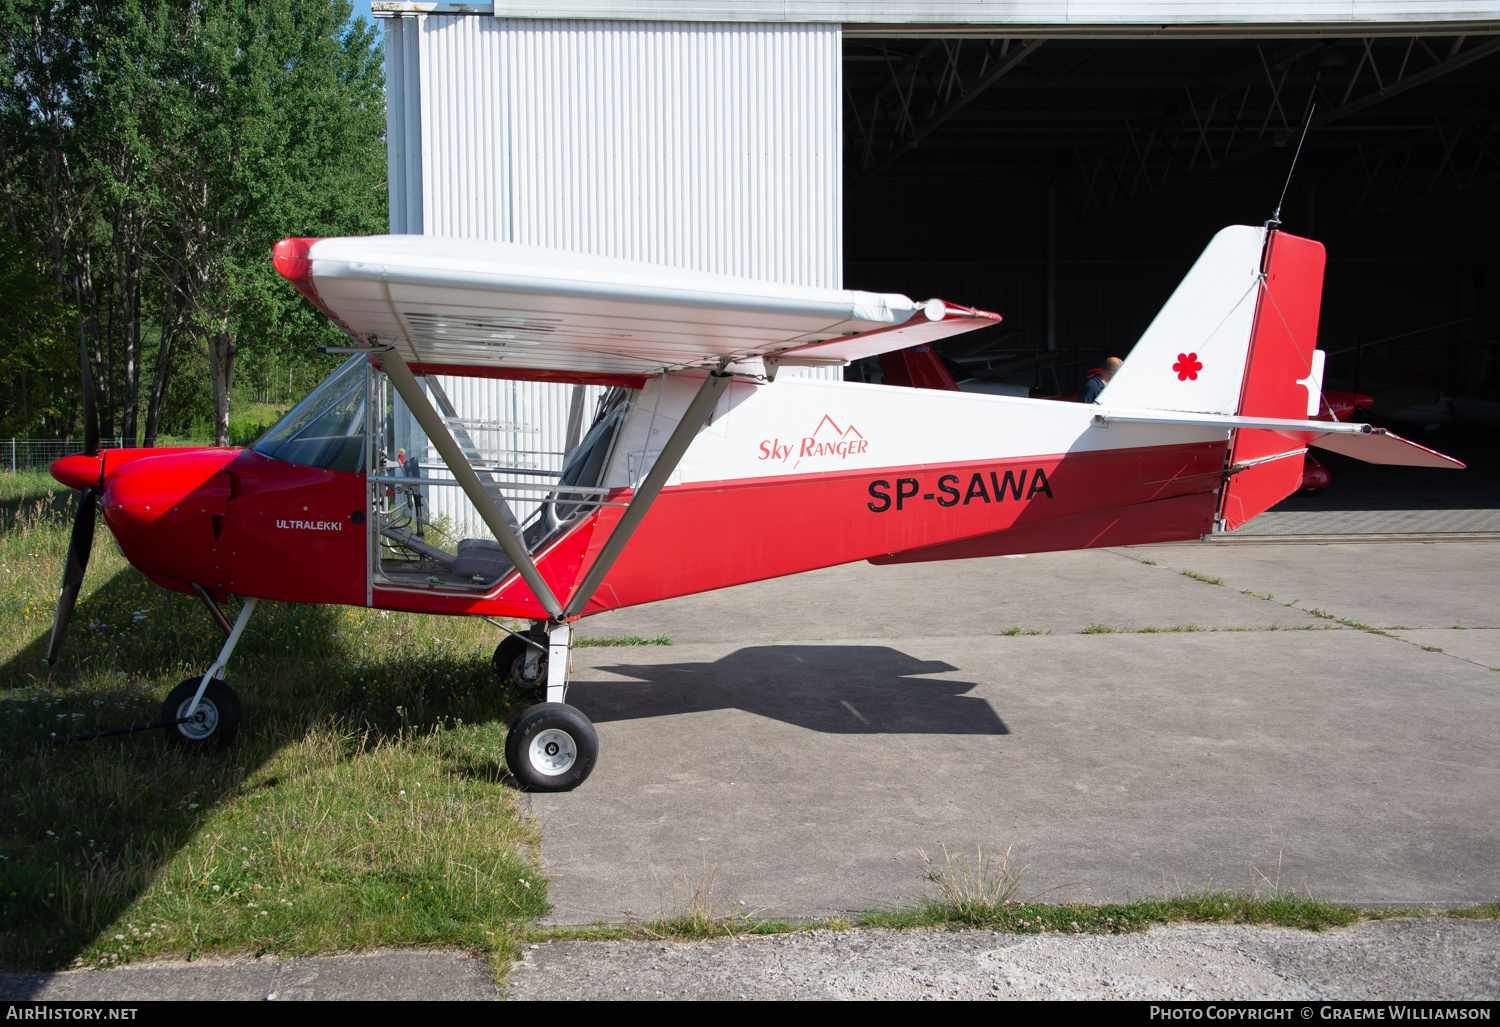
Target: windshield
[[327, 429]]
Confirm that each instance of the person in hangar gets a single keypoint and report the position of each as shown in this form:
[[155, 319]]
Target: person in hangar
[[1098, 380]]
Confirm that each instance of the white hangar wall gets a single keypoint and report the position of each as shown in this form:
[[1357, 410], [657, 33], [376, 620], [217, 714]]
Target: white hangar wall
[[715, 147], [706, 146]]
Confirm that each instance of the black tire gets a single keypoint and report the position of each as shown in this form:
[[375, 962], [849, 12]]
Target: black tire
[[509, 662], [1311, 491], [214, 724], [552, 747]]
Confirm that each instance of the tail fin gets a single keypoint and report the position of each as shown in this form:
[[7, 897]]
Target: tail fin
[[1238, 337], [1192, 358]]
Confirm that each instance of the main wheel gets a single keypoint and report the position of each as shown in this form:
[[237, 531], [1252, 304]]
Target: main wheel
[[509, 662], [552, 747], [215, 722]]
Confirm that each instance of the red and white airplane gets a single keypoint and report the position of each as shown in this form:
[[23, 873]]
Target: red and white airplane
[[703, 467]]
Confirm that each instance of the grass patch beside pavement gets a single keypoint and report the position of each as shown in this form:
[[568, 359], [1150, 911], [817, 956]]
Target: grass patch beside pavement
[[363, 802], [1296, 911], [980, 892], [596, 641]]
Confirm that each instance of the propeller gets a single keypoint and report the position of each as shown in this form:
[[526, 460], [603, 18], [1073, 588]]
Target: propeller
[[82, 541]]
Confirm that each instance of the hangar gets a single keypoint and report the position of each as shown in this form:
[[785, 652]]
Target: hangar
[[1058, 161]]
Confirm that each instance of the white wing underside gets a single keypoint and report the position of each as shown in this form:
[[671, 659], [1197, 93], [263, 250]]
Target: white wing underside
[[466, 303]]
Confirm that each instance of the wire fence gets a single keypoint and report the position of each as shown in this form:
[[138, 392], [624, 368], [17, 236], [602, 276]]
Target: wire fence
[[31, 454]]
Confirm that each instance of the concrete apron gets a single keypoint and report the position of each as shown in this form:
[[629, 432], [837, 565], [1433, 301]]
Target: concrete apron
[[803, 776]]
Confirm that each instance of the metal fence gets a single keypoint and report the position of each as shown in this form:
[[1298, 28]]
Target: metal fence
[[30, 454]]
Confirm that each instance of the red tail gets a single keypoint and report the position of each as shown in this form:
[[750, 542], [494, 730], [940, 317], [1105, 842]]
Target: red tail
[[1267, 467]]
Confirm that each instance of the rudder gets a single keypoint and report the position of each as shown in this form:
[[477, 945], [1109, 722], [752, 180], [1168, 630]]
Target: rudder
[[1283, 378]]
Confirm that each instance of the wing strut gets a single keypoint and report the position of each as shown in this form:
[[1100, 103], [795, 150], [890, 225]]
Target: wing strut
[[442, 440], [693, 419]]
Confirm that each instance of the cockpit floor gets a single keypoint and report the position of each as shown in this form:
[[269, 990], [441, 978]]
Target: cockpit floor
[[428, 574]]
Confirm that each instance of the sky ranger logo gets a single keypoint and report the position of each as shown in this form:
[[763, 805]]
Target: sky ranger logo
[[827, 439], [311, 525]]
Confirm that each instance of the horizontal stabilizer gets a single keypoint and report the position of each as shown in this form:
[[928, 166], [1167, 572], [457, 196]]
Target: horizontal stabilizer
[[1292, 428], [1382, 447], [1361, 441]]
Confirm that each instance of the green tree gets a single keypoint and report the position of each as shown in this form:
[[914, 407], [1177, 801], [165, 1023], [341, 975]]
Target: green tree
[[157, 149], [38, 355]]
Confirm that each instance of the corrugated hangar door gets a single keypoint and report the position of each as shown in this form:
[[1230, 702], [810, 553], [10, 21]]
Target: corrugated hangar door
[[714, 147], [707, 146]]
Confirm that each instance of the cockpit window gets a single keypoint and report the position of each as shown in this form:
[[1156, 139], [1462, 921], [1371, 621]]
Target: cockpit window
[[327, 429]]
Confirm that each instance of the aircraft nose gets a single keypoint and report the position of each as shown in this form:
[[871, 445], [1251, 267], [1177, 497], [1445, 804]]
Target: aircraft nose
[[79, 471]]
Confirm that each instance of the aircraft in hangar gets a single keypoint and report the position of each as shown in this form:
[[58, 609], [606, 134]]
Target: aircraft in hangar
[[701, 467]]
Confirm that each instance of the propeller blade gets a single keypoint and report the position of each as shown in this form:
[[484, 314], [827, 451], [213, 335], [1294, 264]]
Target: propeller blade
[[79, 547], [90, 413]]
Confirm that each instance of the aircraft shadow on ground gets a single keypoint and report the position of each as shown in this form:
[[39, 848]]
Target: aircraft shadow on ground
[[836, 689], [156, 821], [131, 793]]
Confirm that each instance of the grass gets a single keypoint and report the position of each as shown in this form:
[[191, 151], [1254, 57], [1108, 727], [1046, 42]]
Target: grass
[[982, 892], [364, 801], [587, 641], [1325, 615], [1011, 632], [1204, 577], [1028, 917]]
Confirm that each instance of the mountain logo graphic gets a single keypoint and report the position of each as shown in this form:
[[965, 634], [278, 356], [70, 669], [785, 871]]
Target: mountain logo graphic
[[828, 439]]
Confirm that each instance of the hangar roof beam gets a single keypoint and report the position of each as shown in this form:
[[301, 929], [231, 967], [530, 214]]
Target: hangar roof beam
[[1379, 94], [967, 94], [1246, 141]]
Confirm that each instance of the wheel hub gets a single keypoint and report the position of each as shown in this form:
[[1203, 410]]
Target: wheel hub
[[204, 722], [552, 752]]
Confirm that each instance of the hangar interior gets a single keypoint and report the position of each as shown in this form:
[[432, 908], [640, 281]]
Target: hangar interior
[[1069, 183]]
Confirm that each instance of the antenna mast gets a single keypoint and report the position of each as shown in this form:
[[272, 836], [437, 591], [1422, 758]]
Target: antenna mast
[[1275, 221]]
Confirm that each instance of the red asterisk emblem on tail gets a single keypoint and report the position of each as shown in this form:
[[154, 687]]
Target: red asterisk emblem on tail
[[1187, 367]]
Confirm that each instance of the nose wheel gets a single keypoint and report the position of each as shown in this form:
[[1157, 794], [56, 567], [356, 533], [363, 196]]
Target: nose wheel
[[552, 747], [215, 722]]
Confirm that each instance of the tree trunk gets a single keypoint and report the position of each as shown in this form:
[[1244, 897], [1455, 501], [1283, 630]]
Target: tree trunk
[[10, 207], [161, 377], [221, 352]]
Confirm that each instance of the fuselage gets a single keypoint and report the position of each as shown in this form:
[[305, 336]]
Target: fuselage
[[786, 477]]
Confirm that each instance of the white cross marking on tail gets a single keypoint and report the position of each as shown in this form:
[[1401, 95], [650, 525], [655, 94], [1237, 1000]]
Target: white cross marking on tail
[[1313, 383]]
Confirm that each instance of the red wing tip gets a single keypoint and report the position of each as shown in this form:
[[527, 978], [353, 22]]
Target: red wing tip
[[292, 258], [954, 312]]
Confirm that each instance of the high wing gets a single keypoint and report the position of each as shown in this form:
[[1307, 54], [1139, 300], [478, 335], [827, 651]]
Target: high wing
[[525, 311]]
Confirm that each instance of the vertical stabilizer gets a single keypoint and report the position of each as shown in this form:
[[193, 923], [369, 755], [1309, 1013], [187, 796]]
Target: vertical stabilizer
[[1192, 358]]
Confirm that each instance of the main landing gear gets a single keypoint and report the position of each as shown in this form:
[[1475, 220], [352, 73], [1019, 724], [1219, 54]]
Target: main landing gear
[[521, 660], [552, 746]]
